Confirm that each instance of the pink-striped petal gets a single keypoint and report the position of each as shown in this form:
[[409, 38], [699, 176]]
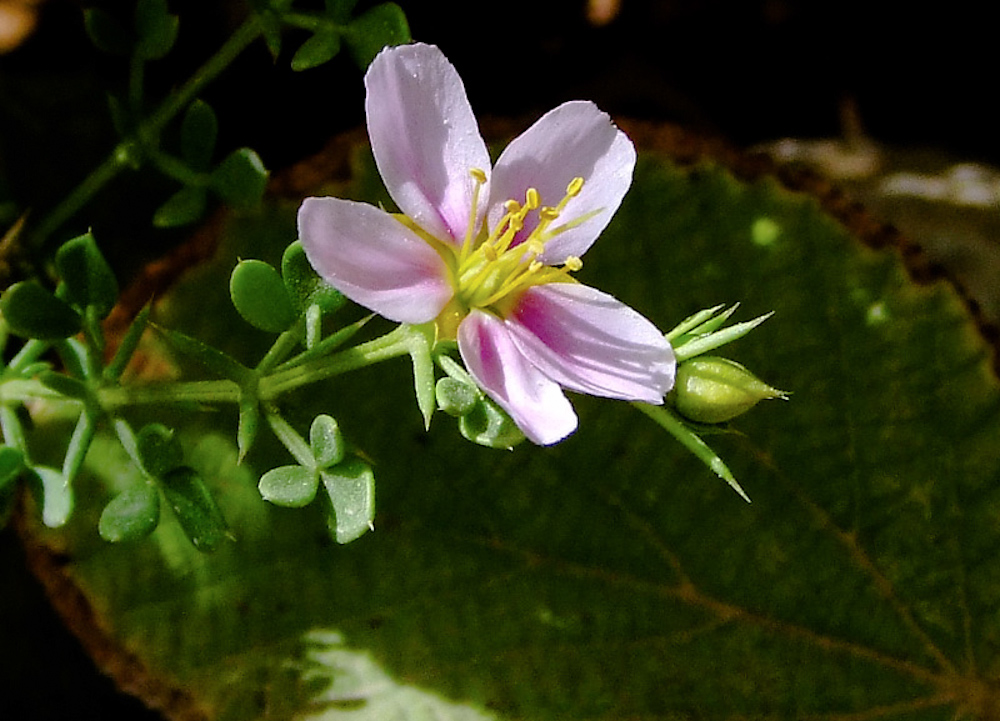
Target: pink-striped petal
[[373, 259], [534, 402], [425, 138], [590, 342], [573, 140]]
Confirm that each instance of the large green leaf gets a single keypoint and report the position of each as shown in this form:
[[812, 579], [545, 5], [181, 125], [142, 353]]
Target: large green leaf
[[613, 576]]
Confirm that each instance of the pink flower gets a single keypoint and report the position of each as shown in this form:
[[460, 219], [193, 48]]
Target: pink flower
[[476, 252]]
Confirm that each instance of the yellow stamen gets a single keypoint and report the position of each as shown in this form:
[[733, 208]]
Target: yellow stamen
[[493, 268], [479, 177]]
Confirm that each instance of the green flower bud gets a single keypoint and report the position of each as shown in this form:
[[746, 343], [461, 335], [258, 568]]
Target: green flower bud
[[710, 389]]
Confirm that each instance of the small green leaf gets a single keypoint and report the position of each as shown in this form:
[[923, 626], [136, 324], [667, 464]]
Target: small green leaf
[[63, 384], [289, 486], [317, 50], [199, 131], [11, 465], [488, 425], [155, 28], [131, 515], [87, 277], [240, 179], [269, 22], [33, 312], [260, 297], [196, 510], [304, 284], [351, 489], [184, 207], [57, 496], [106, 33], [159, 449], [455, 397], [128, 345], [212, 358], [79, 444], [380, 26], [421, 341], [249, 421], [326, 441]]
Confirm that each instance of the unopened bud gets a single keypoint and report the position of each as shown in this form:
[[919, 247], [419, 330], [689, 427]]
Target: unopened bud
[[710, 389]]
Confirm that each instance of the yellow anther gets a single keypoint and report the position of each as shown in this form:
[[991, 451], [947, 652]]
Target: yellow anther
[[574, 187], [572, 263], [531, 198], [478, 175], [511, 206], [534, 266], [548, 213], [535, 247]]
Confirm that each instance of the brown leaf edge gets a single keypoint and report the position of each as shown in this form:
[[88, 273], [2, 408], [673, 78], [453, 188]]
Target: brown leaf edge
[[332, 164]]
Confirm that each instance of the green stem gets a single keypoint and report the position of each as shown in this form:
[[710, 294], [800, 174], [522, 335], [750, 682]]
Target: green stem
[[690, 440], [290, 438], [177, 169], [392, 345], [201, 392], [124, 154], [308, 21]]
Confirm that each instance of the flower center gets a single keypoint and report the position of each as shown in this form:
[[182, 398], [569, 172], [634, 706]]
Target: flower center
[[493, 267]]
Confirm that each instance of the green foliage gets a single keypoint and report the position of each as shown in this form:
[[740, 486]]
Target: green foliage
[[304, 284], [259, 295], [240, 179], [199, 131], [106, 32], [215, 360], [322, 47], [131, 515], [63, 384], [326, 441], [182, 208], [378, 27], [195, 508], [486, 424], [350, 488], [53, 491], [455, 397], [289, 486], [88, 280], [127, 346], [32, 311], [155, 29], [158, 449], [153, 34], [11, 467]]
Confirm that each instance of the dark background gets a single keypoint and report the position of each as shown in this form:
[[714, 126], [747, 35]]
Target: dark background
[[748, 71]]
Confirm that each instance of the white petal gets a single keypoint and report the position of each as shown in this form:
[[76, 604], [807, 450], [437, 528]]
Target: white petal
[[534, 402], [425, 138], [575, 139], [373, 259], [590, 342]]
